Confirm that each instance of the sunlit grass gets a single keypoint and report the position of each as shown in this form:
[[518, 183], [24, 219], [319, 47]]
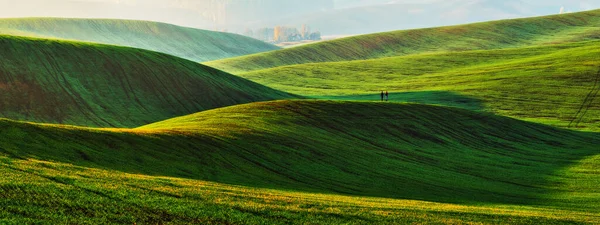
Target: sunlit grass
[[573, 27], [546, 84], [36, 191], [295, 159], [328, 162]]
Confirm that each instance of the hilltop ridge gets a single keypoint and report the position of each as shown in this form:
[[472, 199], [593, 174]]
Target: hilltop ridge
[[188, 43], [109, 86], [406, 151], [553, 29]]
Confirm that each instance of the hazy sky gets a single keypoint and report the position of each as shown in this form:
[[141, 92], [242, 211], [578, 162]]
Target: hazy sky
[[333, 16]]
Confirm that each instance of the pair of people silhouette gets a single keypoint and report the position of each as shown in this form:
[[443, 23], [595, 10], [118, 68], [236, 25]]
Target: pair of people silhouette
[[385, 96]]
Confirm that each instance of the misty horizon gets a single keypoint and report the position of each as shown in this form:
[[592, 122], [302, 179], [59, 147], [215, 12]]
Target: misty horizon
[[333, 17]]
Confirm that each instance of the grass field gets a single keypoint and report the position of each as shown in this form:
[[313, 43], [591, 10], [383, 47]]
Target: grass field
[[192, 44], [497, 169], [573, 27], [443, 98], [545, 84], [98, 85], [48, 193], [485, 144]]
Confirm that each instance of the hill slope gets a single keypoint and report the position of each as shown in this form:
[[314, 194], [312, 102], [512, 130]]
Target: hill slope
[[546, 84], [368, 149], [193, 44], [44, 192], [489, 35], [109, 86]]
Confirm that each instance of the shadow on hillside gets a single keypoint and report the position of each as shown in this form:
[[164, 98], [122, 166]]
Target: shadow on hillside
[[444, 98], [402, 151]]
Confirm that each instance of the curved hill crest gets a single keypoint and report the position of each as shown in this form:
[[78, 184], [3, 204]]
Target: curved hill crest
[[188, 43], [553, 29], [109, 86], [406, 151]]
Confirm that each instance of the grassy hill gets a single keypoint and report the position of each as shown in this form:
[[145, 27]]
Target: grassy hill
[[499, 169], [43, 192], [108, 86], [545, 84], [554, 29], [193, 44]]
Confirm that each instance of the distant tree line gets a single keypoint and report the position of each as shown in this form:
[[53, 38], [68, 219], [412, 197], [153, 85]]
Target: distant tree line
[[281, 34]]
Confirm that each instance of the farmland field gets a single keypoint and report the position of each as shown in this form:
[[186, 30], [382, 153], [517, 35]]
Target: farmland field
[[487, 123], [547, 176]]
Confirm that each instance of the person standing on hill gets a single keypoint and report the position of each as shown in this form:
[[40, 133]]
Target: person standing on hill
[[387, 96], [382, 96]]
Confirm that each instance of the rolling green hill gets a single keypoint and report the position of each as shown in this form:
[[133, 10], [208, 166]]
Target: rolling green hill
[[546, 84], [305, 161], [499, 169], [44, 192], [108, 86], [193, 44], [554, 29]]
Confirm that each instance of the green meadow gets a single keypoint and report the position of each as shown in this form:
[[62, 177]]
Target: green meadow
[[45, 193], [97, 85], [478, 130], [188, 43], [546, 84], [303, 162], [514, 33]]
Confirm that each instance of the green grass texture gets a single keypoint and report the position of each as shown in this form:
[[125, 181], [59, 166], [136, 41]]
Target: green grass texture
[[572, 27], [192, 44], [546, 84], [108, 86], [303, 161], [462, 156]]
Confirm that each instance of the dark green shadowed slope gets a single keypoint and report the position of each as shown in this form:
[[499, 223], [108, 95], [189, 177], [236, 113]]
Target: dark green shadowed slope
[[480, 36], [502, 170], [369, 149], [107, 86], [393, 150], [193, 44]]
